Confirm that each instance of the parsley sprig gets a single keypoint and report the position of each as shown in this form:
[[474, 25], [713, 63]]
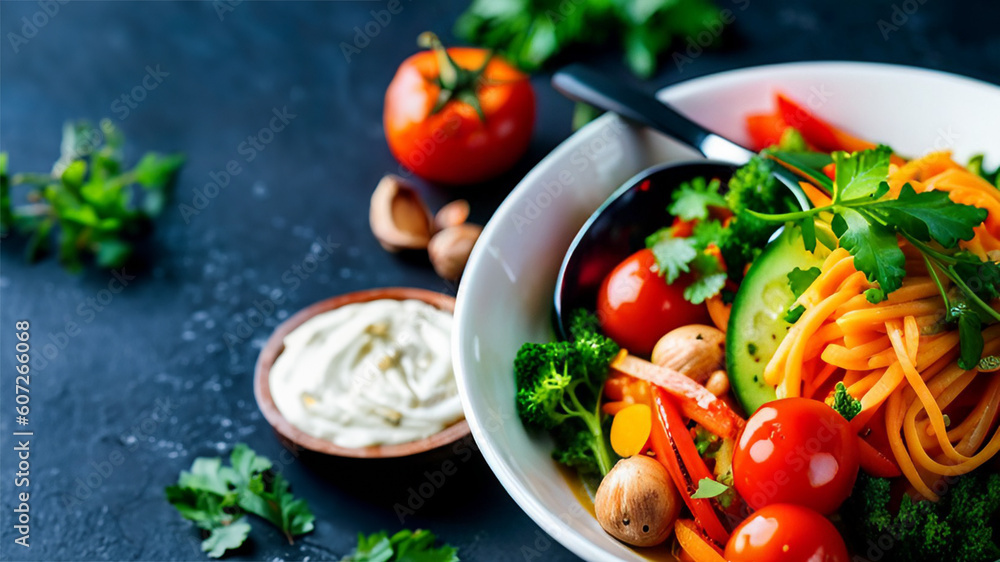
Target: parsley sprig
[[216, 497], [404, 546], [90, 204], [868, 223]]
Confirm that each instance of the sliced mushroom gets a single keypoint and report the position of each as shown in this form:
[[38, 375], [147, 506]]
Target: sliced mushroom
[[695, 350], [637, 502], [449, 249], [452, 214], [399, 217]]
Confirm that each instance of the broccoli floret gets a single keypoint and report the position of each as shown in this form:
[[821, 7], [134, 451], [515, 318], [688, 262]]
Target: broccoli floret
[[596, 350], [559, 387], [958, 527], [574, 449], [752, 187], [845, 404]]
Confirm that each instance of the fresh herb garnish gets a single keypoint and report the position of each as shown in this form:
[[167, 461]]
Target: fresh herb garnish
[[531, 32], [868, 221], [976, 167], [216, 498], [708, 488], [404, 546], [798, 281], [718, 246], [87, 202]]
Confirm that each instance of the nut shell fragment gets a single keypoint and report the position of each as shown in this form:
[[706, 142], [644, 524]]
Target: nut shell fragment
[[399, 217], [449, 249]]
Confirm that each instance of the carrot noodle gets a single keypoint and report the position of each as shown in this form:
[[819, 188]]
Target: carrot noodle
[[899, 355]]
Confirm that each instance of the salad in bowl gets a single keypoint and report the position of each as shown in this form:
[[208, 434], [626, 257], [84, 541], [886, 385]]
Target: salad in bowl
[[767, 380]]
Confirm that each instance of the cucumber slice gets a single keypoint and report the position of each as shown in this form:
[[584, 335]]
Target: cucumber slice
[[756, 323]]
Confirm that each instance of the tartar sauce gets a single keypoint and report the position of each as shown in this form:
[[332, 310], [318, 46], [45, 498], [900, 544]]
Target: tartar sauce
[[374, 373]]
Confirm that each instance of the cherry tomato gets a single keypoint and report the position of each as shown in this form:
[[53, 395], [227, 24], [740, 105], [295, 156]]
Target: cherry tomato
[[798, 451], [457, 143], [786, 533], [636, 307]]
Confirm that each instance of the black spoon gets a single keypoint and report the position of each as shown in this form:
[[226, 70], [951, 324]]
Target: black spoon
[[639, 207]]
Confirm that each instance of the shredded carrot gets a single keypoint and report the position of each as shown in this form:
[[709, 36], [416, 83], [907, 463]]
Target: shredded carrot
[[899, 357]]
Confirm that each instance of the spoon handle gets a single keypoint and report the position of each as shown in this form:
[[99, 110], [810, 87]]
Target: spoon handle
[[581, 83]]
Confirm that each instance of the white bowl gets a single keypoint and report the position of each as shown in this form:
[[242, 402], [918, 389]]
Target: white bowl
[[506, 293]]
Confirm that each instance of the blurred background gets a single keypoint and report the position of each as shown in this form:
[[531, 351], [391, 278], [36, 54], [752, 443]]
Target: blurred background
[[152, 364]]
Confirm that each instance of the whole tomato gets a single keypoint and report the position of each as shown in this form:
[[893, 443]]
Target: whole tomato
[[797, 451], [458, 115], [636, 306], [786, 533]]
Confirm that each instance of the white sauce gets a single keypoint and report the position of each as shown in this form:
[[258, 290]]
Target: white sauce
[[374, 373]]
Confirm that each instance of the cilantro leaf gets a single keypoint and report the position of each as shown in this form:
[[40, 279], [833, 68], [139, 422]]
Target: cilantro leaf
[[276, 504], [969, 333], [860, 174], [874, 246], [226, 537], [206, 475], [930, 215], [708, 488], [800, 279], [710, 279], [673, 255], [216, 497], [404, 546], [691, 200]]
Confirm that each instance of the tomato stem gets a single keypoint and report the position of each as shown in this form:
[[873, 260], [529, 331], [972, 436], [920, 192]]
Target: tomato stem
[[456, 83]]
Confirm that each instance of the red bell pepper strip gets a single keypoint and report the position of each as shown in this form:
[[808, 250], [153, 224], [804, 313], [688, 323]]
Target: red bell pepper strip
[[765, 129], [676, 451], [874, 462], [817, 132], [694, 399]]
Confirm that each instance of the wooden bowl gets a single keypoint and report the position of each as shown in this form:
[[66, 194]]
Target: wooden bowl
[[296, 439]]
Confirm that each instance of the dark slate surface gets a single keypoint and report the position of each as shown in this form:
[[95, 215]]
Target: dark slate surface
[[142, 381]]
